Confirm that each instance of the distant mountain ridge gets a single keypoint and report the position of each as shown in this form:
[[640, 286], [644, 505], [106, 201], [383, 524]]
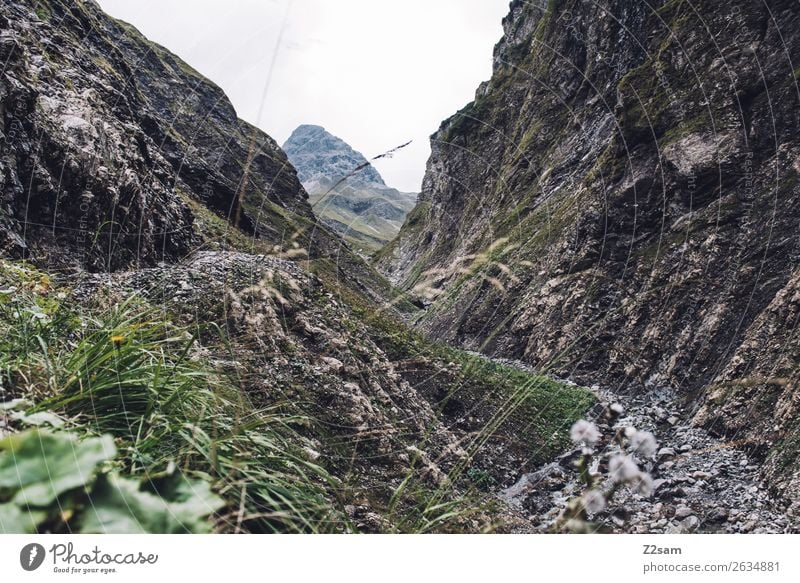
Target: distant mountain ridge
[[345, 191]]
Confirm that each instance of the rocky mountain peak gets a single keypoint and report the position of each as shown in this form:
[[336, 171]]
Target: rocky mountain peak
[[362, 208], [318, 154]]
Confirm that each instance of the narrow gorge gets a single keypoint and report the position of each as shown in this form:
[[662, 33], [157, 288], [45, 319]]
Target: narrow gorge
[[235, 336]]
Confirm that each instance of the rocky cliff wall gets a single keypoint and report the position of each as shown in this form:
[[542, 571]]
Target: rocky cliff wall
[[105, 135], [620, 205]]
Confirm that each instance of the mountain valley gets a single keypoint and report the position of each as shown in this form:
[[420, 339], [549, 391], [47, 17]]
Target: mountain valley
[[606, 238]]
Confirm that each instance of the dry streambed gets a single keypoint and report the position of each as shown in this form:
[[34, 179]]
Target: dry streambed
[[701, 483]]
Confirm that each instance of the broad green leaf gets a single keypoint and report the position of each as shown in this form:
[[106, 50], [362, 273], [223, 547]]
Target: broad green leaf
[[38, 419], [119, 506], [14, 520], [41, 466], [15, 404], [190, 499]]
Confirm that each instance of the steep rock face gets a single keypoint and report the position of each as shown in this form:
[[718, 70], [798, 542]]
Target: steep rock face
[[346, 192], [105, 134], [620, 204]]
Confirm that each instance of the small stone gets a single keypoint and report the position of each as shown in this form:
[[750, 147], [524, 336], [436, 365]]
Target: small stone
[[682, 512], [666, 452], [670, 493], [718, 516], [747, 526], [690, 523], [332, 363], [673, 420]]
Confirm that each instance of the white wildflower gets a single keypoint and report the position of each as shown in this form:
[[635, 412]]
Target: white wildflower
[[584, 432], [593, 501], [644, 484], [623, 469], [575, 525], [644, 443]]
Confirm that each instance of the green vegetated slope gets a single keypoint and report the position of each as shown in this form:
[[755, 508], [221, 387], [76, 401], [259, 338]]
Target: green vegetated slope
[[619, 204], [298, 409], [215, 358], [368, 217]]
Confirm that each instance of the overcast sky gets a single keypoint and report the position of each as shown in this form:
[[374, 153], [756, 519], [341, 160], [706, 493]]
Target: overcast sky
[[376, 73]]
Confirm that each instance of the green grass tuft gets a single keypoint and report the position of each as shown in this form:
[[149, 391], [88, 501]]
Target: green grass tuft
[[130, 372]]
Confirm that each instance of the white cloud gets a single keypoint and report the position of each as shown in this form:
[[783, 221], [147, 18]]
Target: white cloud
[[377, 73]]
